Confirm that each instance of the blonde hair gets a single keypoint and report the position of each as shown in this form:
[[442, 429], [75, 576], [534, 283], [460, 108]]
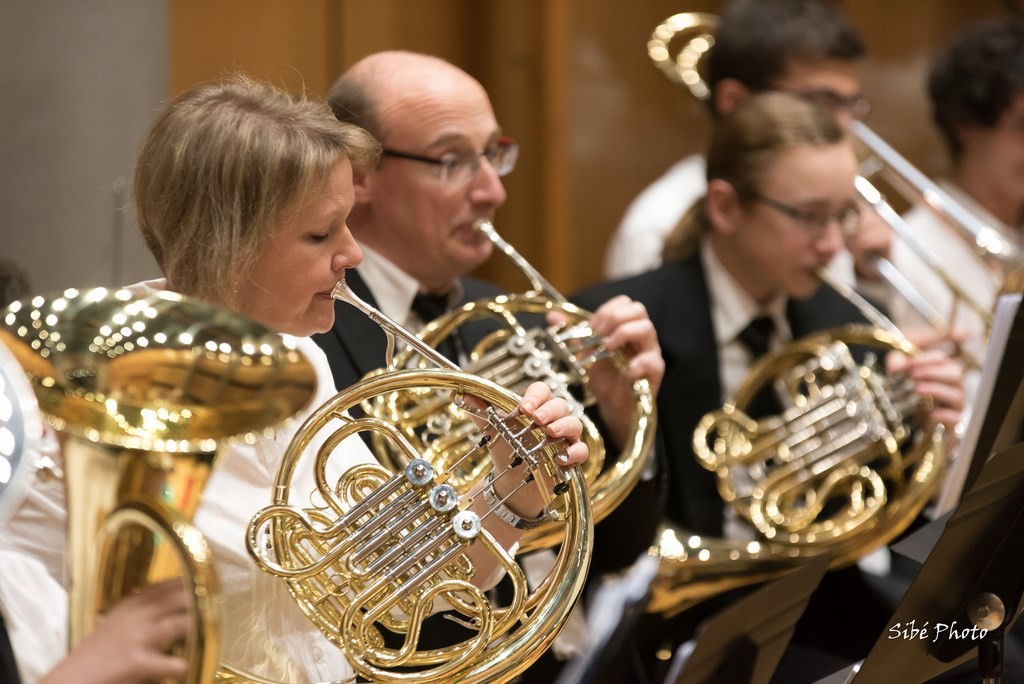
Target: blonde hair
[[220, 168], [743, 145]]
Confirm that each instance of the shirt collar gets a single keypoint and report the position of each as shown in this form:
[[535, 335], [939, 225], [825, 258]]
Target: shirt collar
[[393, 288], [732, 307]]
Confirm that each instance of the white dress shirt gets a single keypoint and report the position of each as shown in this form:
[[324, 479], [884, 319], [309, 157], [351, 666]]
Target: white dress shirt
[[394, 289], [651, 216], [732, 310]]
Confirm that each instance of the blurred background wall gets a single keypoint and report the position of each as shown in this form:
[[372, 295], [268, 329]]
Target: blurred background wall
[[81, 80]]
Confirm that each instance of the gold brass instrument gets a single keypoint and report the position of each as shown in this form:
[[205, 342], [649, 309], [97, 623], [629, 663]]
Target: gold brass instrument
[[844, 469], [21, 429], [986, 241], [380, 550], [514, 356], [144, 390], [696, 31]]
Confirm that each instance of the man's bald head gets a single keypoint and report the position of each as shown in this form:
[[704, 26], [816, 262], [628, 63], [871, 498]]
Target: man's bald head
[[382, 82]]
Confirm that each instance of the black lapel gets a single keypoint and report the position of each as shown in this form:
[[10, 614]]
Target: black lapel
[[355, 345], [692, 388]]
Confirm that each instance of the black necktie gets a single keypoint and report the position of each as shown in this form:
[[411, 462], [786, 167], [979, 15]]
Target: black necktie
[[431, 306], [756, 337]]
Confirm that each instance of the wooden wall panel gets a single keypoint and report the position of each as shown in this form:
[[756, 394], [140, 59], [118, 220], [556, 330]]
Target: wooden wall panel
[[281, 41], [570, 79]]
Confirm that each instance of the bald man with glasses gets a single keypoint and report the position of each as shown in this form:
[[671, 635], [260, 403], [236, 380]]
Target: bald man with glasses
[[415, 218]]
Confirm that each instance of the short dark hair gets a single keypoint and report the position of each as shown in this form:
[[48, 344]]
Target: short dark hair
[[14, 283], [975, 79], [758, 39]]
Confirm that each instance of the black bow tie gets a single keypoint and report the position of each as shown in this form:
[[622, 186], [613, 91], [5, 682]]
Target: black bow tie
[[431, 306]]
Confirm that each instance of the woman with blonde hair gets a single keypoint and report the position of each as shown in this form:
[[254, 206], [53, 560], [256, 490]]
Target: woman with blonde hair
[[242, 192]]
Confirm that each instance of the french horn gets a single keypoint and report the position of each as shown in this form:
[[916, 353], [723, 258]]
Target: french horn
[[145, 390], [844, 469], [847, 465], [523, 348], [383, 548]]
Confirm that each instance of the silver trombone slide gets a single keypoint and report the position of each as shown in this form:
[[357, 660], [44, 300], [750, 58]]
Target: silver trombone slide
[[987, 240]]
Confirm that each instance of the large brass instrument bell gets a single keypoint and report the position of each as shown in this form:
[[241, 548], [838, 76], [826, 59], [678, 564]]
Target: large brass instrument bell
[[519, 349], [381, 549], [144, 390]]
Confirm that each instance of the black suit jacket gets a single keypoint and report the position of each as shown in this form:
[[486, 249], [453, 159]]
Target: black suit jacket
[[678, 302]]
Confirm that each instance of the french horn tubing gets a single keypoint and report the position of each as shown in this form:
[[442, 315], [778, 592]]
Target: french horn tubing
[[846, 467], [518, 352], [383, 548], [843, 470], [145, 390]]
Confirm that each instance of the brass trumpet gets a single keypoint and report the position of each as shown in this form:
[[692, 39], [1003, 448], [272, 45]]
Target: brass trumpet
[[379, 550], [513, 356], [986, 241]]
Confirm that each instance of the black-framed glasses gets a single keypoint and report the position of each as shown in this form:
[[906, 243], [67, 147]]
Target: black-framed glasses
[[857, 106], [462, 167], [814, 221]]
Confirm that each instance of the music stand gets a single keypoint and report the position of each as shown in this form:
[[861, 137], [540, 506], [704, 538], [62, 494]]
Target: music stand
[[977, 559], [998, 410], [744, 641]]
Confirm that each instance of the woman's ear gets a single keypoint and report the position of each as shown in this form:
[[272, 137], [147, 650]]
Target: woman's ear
[[723, 206]]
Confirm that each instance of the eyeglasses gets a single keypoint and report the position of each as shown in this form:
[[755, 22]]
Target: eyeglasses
[[456, 168], [815, 221], [857, 106]]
